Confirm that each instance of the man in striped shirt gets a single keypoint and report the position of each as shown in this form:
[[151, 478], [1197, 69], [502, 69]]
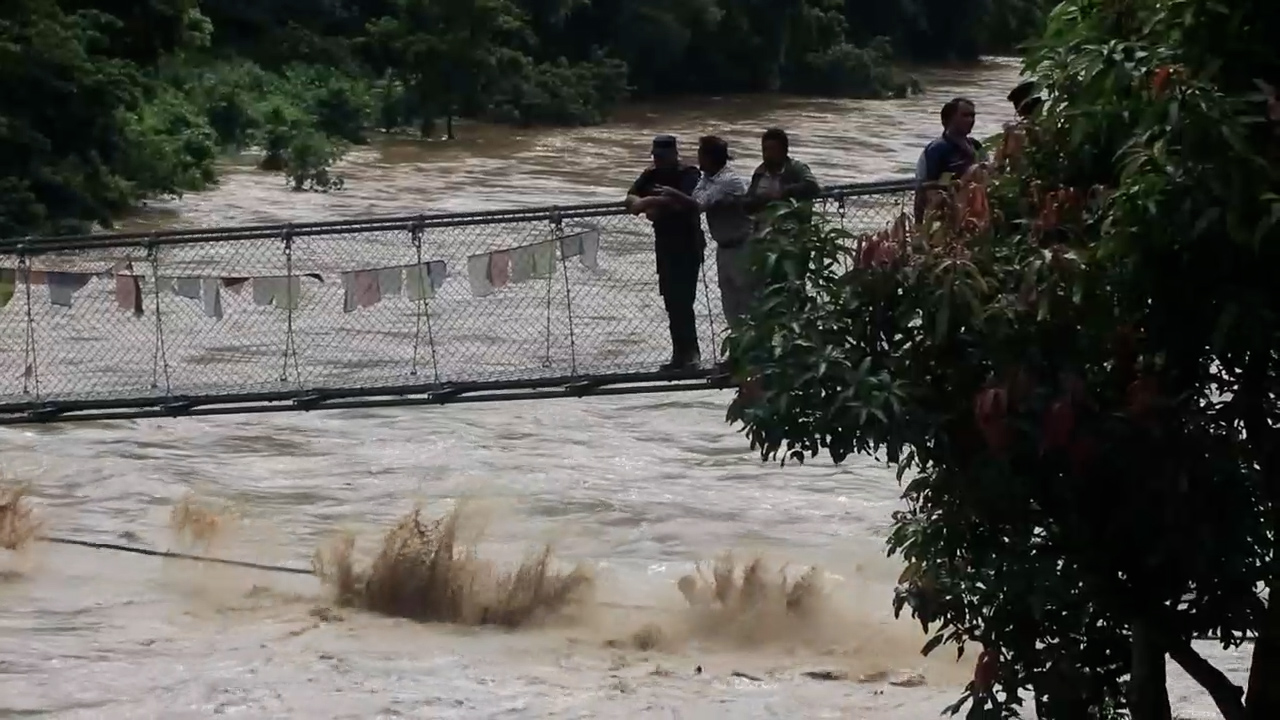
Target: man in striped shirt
[[721, 194]]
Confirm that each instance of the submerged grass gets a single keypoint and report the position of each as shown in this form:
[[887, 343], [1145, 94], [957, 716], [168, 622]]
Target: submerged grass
[[424, 572], [18, 525]]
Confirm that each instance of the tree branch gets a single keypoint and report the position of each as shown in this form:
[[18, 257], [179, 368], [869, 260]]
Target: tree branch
[[1263, 698], [1228, 696]]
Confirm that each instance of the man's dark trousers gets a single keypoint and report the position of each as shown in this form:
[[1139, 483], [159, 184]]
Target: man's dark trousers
[[678, 273]]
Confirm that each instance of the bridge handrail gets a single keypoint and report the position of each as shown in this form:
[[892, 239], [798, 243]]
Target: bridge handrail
[[139, 343], [549, 213]]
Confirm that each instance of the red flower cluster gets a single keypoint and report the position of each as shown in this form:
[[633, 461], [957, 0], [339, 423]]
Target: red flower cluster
[[880, 249]]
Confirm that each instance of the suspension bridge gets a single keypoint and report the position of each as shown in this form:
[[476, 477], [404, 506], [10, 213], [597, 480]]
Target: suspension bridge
[[375, 312]]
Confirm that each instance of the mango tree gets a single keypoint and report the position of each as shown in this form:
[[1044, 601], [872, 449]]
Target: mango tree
[[1072, 362]]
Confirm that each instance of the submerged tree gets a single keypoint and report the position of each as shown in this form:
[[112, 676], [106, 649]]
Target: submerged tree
[[1074, 361], [447, 51]]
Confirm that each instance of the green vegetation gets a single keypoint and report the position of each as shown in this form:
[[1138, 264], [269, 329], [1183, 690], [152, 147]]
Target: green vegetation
[[1073, 363], [108, 102]]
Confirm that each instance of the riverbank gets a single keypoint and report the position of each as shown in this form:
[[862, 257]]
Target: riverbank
[[145, 103]]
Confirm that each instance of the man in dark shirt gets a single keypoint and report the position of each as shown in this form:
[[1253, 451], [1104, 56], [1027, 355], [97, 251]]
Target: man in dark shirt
[[951, 154], [679, 244], [1025, 99]]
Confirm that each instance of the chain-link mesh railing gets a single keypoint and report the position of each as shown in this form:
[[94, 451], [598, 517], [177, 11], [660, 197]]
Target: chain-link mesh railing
[[377, 307]]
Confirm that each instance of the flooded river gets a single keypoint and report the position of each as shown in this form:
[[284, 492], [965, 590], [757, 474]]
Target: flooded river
[[638, 489]]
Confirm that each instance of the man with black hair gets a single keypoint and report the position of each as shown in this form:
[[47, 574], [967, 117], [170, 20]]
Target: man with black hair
[[779, 177], [1025, 99], [720, 194], [678, 245], [952, 153]]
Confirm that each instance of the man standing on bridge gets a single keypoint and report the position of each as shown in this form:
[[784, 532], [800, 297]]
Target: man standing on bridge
[[951, 154], [779, 177], [720, 194], [679, 244], [1025, 100]]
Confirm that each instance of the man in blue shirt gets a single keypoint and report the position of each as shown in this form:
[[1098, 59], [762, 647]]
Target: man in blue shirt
[[952, 153]]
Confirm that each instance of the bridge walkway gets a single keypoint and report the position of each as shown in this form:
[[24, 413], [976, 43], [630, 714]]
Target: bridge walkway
[[381, 311]]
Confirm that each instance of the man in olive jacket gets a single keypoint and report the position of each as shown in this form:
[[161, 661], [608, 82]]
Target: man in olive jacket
[[779, 177]]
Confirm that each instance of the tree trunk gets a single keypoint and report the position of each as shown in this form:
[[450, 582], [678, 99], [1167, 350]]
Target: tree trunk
[[1063, 703], [1263, 698], [1148, 685], [1061, 694]]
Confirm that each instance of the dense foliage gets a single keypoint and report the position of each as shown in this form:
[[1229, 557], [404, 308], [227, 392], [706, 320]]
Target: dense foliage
[[1072, 361], [106, 102]]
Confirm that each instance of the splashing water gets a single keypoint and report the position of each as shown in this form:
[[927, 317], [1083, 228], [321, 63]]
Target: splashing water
[[18, 524], [741, 605], [752, 604], [427, 571], [200, 523], [424, 572]]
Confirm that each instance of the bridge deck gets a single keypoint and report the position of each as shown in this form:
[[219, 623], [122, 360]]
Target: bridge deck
[[428, 310]]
